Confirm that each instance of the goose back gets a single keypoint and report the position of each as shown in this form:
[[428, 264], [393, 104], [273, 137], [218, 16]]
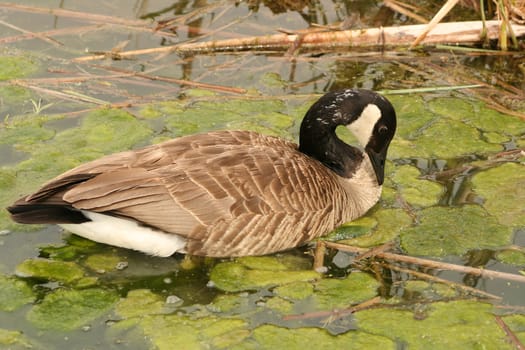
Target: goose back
[[227, 193]]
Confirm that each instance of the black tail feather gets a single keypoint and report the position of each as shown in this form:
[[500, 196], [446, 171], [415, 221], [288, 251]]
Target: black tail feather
[[34, 213]]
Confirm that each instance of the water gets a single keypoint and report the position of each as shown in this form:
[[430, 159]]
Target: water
[[274, 76]]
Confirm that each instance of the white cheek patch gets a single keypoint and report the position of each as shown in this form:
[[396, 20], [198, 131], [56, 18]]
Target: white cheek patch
[[363, 126]]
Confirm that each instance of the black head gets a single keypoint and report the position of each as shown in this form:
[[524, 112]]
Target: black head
[[368, 115]]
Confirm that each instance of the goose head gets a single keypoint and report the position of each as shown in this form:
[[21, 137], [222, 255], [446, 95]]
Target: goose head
[[368, 115]]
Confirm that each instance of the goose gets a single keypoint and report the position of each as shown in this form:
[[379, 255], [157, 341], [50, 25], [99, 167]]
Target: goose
[[227, 193]]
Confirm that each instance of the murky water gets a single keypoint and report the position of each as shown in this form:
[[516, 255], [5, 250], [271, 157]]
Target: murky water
[[439, 199]]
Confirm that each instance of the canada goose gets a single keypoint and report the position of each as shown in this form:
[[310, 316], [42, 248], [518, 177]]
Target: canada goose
[[227, 193]]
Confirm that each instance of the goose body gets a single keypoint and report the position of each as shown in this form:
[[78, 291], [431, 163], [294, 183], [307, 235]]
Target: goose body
[[227, 193]]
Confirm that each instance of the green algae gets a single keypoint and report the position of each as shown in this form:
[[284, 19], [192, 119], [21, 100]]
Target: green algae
[[141, 307], [273, 80], [447, 128], [513, 257], [390, 222], [446, 139], [295, 262], [494, 137], [234, 277], [443, 290], [13, 95], [415, 191], [262, 263], [52, 270], [516, 323], [70, 309], [427, 291], [353, 229], [413, 116], [258, 115], [275, 337], [12, 67], [102, 262], [14, 293], [101, 132], [503, 189], [331, 293], [300, 296], [453, 231], [75, 247], [280, 305], [275, 263], [139, 303], [8, 180], [24, 131], [64, 253], [226, 303], [295, 290], [478, 115], [167, 331], [452, 107], [14, 340], [446, 325]]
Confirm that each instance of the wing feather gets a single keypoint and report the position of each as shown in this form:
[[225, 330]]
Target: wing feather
[[228, 193]]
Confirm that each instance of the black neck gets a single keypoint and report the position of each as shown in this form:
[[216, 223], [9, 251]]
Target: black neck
[[318, 140]]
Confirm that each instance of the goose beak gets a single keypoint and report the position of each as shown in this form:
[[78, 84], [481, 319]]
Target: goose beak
[[378, 163]]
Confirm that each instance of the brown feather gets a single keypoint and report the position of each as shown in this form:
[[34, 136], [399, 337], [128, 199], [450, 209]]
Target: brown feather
[[229, 193]]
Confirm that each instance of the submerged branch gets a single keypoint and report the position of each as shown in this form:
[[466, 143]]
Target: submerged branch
[[510, 334], [432, 264], [335, 314], [426, 276]]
